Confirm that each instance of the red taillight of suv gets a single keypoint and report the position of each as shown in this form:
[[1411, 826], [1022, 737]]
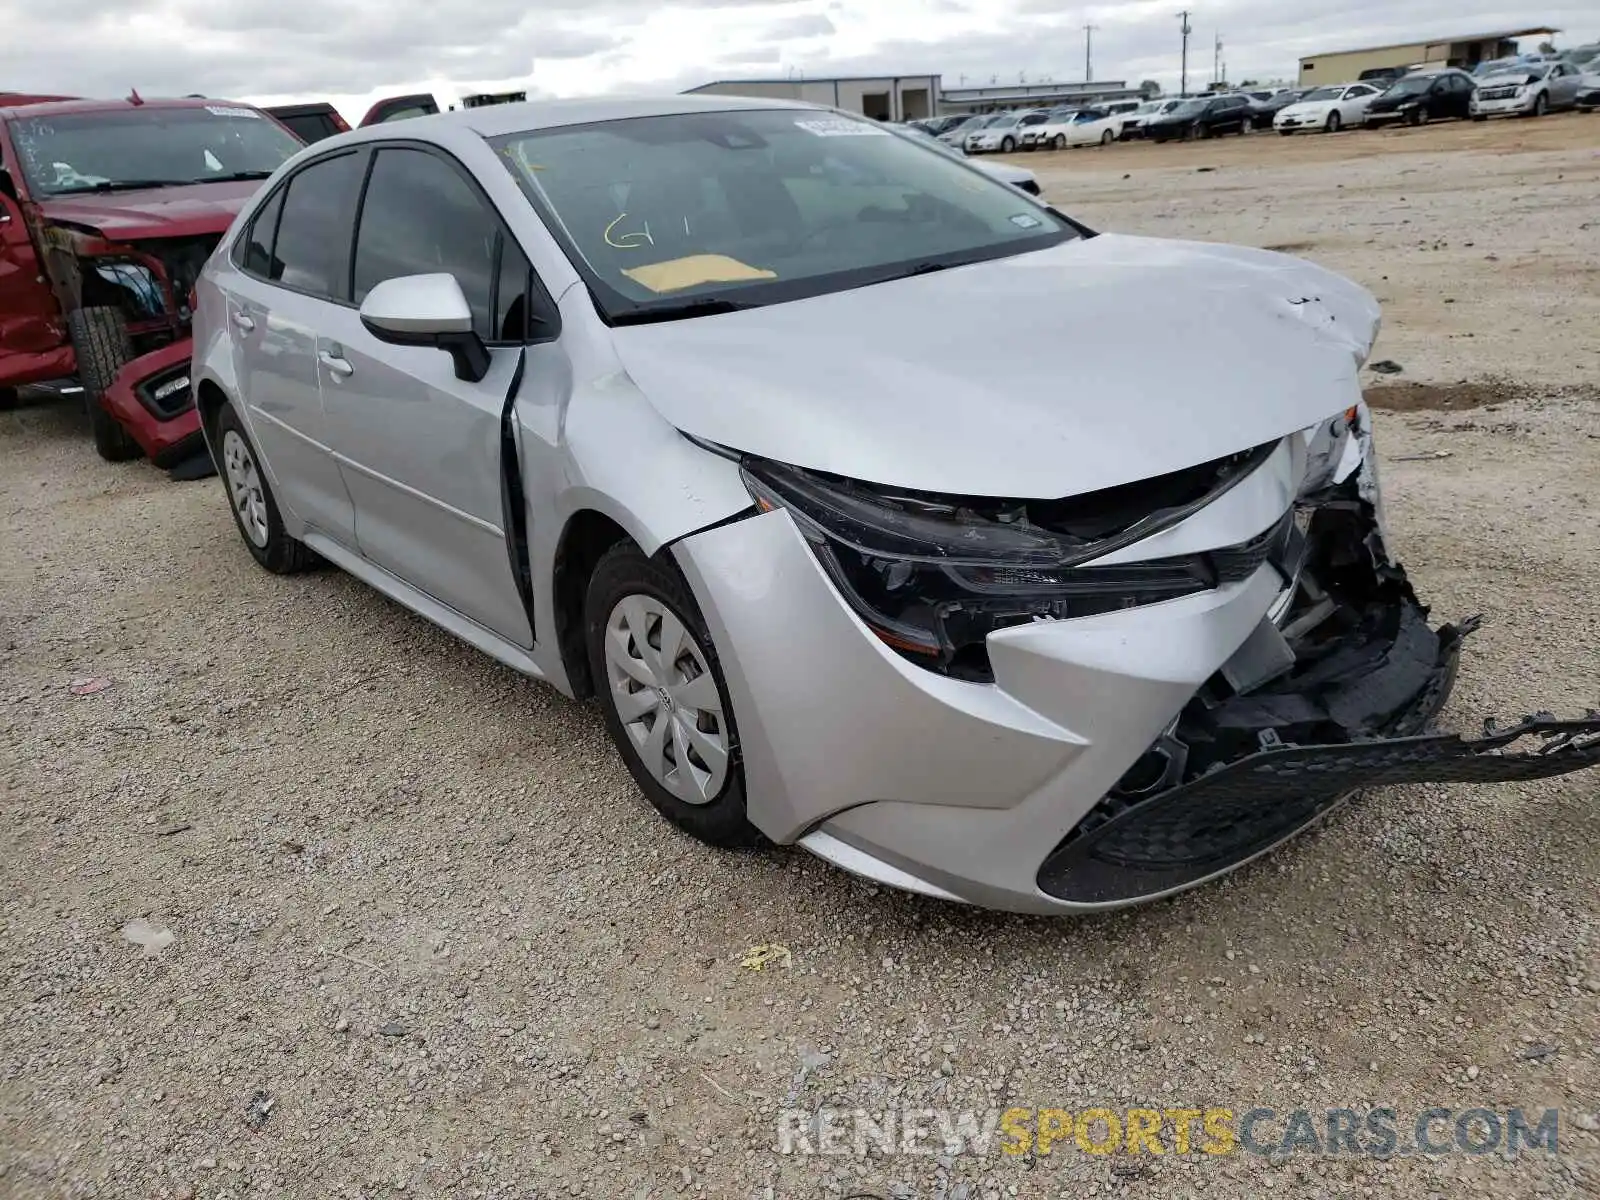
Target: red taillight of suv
[[339, 121]]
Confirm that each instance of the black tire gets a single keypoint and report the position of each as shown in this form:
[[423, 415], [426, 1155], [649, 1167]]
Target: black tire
[[1059, 142], [625, 571], [1107, 138], [101, 345], [1480, 117], [1541, 105], [8, 399], [280, 553], [1007, 145], [1334, 123], [1419, 116]]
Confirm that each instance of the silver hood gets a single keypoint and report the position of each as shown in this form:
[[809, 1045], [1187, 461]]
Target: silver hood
[[1093, 363]]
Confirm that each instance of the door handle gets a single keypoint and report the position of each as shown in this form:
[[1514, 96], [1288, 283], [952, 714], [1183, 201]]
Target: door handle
[[337, 366], [244, 321]]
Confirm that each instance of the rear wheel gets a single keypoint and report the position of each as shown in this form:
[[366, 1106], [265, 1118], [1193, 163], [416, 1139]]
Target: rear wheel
[[665, 699], [255, 511], [1334, 123], [101, 345]]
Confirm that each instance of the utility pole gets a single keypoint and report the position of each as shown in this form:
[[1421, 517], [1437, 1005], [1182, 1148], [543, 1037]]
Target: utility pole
[[1088, 52], [1183, 83], [1216, 62]]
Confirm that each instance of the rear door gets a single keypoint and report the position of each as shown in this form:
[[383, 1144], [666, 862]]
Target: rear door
[[292, 277], [420, 449]]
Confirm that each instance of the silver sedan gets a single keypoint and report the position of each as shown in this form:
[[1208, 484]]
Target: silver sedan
[[659, 401]]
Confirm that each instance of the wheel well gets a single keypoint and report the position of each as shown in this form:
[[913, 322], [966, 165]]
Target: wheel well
[[588, 535], [209, 401]]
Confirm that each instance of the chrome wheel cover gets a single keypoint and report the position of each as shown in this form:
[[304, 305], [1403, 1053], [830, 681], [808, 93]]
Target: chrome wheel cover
[[668, 701], [244, 485]]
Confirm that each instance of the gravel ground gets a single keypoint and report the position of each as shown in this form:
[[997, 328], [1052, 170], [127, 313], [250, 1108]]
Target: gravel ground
[[426, 940]]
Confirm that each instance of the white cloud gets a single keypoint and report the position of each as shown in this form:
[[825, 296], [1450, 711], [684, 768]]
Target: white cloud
[[352, 51]]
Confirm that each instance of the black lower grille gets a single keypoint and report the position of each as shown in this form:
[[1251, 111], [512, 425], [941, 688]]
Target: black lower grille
[[164, 408]]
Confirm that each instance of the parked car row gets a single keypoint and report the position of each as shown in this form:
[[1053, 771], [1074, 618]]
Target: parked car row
[[1526, 86]]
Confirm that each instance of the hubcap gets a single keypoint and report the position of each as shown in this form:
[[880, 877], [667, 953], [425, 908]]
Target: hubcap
[[667, 699], [244, 484]]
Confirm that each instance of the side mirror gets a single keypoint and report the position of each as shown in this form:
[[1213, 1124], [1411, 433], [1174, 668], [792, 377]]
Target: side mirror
[[427, 310]]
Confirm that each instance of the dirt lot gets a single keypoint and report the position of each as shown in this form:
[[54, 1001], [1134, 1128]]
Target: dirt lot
[[427, 941]]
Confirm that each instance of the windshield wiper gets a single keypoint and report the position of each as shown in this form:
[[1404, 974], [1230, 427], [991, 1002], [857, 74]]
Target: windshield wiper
[[708, 307], [118, 185], [232, 177]]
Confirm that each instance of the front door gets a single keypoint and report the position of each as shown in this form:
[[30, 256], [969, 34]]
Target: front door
[[419, 449], [32, 339]]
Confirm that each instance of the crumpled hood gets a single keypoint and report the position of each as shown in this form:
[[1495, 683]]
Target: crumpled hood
[[1092, 363], [1314, 108], [154, 212], [1508, 79]]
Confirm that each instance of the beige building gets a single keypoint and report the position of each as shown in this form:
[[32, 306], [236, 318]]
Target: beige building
[[1466, 52], [883, 98]]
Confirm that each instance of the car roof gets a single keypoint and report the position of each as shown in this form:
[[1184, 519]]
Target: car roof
[[61, 108], [497, 119]]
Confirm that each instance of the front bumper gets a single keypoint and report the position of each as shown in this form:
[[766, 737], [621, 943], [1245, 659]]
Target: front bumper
[[1040, 791], [1511, 106], [166, 428], [1299, 122], [1385, 118]]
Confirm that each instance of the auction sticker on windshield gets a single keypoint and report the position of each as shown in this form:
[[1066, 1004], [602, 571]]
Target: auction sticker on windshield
[[1026, 221], [222, 110], [836, 127]]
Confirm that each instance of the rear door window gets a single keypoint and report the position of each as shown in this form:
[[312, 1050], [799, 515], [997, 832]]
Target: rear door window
[[311, 253], [253, 251]]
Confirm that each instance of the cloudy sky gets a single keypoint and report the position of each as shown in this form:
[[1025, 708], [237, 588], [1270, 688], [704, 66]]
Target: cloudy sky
[[350, 51]]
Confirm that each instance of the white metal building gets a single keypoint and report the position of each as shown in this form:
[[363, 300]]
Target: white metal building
[[1033, 95], [881, 97]]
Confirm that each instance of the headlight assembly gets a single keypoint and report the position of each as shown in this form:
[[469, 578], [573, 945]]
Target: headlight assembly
[[932, 576]]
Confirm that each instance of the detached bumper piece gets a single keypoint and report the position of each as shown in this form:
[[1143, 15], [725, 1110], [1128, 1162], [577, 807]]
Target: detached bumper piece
[[1237, 811], [1335, 697], [150, 398]]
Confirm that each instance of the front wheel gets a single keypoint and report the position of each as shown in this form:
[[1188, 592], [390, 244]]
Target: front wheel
[[1541, 105], [1419, 116], [1107, 138], [1333, 122], [1059, 142], [666, 702], [255, 510], [101, 345], [1007, 145], [8, 399]]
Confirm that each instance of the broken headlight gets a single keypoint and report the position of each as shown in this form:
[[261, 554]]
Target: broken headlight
[[934, 575]]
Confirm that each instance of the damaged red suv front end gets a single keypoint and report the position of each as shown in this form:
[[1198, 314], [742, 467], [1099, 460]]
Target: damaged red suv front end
[[110, 209]]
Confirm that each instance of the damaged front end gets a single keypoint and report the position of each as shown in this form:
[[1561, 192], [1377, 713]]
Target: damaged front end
[[148, 282], [1335, 691]]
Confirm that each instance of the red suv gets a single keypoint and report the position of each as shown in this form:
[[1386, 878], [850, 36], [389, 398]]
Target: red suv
[[108, 209]]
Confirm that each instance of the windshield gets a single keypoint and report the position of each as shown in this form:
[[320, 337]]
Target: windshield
[[665, 214], [1328, 93], [147, 147], [1412, 85], [1189, 108]]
